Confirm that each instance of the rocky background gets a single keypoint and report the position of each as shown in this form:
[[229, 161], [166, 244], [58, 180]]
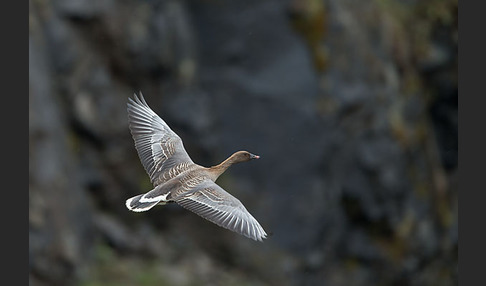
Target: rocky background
[[352, 106]]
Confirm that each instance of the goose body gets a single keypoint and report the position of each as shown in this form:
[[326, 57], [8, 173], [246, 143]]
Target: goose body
[[176, 178]]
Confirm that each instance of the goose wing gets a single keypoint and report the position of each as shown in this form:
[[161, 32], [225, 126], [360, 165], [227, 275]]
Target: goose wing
[[160, 149], [213, 203]]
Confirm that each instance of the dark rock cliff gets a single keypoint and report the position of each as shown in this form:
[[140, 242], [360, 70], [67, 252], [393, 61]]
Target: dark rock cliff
[[352, 106]]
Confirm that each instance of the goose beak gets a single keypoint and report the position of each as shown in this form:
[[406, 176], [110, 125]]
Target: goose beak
[[252, 156]]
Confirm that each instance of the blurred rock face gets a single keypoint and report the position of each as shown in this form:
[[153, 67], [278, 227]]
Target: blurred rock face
[[352, 107]]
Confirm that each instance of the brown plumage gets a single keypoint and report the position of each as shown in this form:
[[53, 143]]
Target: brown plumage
[[176, 178]]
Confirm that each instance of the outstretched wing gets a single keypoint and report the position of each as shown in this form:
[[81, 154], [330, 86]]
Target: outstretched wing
[[213, 203], [160, 149]]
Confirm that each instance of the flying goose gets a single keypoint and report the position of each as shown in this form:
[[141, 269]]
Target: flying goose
[[176, 178]]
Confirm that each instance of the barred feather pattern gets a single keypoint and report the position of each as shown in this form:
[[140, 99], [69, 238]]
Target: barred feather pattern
[[160, 149], [213, 203]]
